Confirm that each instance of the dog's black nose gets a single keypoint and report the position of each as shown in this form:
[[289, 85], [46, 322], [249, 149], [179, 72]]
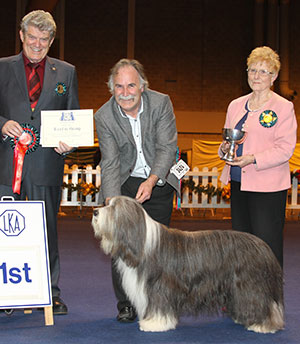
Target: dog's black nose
[[96, 212]]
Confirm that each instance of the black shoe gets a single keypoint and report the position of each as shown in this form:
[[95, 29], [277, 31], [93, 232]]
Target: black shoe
[[7, 311], [127, 314], [59, 307]]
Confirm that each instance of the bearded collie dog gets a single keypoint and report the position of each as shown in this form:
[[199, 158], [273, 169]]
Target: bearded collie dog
[[167, 272]]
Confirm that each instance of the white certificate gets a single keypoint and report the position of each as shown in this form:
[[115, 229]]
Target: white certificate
[[73, 127]]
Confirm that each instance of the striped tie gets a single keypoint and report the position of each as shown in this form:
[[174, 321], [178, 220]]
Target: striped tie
[[34, 85]]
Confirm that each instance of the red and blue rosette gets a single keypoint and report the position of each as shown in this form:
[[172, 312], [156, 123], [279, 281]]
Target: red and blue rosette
[[28, 142]]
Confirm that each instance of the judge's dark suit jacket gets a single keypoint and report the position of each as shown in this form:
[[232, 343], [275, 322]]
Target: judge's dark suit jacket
[[44, 165], [43, 168]]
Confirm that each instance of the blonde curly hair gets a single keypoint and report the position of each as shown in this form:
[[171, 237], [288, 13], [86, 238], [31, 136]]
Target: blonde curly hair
[[265, 54]]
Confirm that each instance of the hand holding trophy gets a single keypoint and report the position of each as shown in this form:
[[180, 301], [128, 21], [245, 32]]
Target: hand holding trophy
[[233, 137]]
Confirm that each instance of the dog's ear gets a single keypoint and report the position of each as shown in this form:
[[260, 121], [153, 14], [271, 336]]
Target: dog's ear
[[129, 231]]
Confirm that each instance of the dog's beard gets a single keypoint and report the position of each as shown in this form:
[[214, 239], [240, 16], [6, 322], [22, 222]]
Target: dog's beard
[[106, 245]]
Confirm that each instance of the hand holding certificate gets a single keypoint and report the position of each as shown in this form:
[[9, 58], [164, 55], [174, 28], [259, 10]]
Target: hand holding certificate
[[73, 127]]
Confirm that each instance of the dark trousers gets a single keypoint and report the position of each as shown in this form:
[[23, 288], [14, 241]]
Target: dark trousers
[[159, 207], [51, 196], [261, 214]]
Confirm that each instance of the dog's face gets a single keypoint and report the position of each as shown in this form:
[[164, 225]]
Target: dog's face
[[101, 228], [121, 227]]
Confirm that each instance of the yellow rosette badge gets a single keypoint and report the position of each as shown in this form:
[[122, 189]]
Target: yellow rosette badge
[[268, 118]]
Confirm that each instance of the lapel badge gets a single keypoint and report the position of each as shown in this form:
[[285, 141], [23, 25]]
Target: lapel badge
[[60, 89], [268, 118]]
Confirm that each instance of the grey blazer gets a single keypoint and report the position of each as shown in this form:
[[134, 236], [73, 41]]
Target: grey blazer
[[117, 145], [44, 165]]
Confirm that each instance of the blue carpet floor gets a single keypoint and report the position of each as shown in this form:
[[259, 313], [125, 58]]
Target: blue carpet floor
[[87, 290]]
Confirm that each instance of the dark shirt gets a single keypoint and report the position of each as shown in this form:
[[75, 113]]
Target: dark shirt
[[40, 70]]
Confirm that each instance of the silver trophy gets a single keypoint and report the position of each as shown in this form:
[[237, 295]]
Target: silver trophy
[[233, 137]]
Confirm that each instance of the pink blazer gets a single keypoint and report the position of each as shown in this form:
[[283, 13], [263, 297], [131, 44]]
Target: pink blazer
[[272, 144]]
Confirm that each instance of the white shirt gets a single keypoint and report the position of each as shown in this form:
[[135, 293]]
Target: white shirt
[[141, 169]]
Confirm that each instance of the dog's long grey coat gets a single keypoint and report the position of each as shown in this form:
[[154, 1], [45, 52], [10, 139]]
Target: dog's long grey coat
[[178, 272]]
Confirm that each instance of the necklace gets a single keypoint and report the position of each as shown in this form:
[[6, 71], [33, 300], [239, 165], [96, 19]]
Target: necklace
[[256, 105]]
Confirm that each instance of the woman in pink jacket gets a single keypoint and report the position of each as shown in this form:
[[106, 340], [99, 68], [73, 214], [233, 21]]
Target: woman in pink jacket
[[260, 174]]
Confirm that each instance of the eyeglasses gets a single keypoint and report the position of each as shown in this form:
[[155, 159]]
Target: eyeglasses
[[261, 72]]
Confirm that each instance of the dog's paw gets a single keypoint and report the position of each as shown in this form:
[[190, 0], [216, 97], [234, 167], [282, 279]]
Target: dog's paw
[[260, 329], [159, 324]]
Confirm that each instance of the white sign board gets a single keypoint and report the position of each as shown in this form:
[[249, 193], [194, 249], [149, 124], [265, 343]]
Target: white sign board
[[24, 264]]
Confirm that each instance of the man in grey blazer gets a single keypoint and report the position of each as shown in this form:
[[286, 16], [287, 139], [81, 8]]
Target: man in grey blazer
[[138, 141], [42, 170]]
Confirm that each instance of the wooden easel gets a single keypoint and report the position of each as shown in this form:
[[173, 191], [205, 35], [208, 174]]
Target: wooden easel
[[48, 314]]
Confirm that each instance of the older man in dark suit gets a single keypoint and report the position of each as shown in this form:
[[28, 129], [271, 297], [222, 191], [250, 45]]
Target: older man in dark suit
[[138, 141], [31, 82]]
